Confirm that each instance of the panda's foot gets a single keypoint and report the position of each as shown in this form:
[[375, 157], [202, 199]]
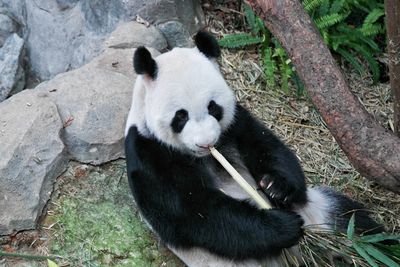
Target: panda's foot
[[282, 193]]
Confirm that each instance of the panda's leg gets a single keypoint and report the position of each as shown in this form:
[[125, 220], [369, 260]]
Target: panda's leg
[[328, 209]]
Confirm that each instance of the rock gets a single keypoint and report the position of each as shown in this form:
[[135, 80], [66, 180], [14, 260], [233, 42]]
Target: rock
[[176, 34], [133, 34], [93, 102], [32, 156], [187, 12], [7, 27], [12, 76], [65, 34]]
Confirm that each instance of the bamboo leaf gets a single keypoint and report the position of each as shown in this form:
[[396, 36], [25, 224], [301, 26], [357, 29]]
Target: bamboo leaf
[[361, 251], [374, 252], [379, 237], [350, 227]]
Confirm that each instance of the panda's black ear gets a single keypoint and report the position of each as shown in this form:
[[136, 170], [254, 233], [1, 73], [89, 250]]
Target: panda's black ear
[[207, 44], [143, 63]]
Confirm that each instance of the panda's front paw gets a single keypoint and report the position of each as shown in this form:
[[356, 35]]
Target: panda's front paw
[[289, 228], [281, 192]]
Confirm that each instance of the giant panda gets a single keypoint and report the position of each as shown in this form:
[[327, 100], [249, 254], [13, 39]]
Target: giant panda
[[182, 106]]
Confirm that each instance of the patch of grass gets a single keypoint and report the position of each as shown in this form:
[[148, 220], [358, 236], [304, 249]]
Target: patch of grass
[[97, 223]]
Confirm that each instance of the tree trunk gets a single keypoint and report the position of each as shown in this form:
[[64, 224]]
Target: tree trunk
[[373, 151], [392, 10]]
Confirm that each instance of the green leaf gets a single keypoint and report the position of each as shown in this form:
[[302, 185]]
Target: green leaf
[[51, 263], [374, 252], [373, 16], [351, 59], [250, 18], [337, 6], [350, 227], [269, 67], [239, 40], [379, 237], [361, 251], [369, 57], [392, 250], [329, 20], [310, 5], [299, 84]]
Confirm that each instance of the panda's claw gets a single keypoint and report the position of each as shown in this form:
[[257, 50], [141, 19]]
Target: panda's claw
[[270, 184]]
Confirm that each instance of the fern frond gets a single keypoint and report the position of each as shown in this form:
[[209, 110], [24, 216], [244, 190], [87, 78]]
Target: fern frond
[[373, 16], [269, 67], [329, 20], [369, 57], [251, 18], [337, 6], [299, 84], [323, 9], [372, 29], [239, 40], [286, 72], [370, 42], [351, 59], [310, 5]]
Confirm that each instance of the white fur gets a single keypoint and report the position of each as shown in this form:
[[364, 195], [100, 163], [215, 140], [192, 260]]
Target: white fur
[[186, 79]]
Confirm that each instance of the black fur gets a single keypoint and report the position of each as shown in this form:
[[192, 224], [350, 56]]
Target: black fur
[[268, 160], [143, 63], [179, 120], [207, 44], [178, 197], [345, 208], [215, 110]]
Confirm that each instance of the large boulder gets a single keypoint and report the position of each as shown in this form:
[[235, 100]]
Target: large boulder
[[65, 34], [133, 34], [92, 105], [32, 156], [93, 102], [7, 27], [12, 75]]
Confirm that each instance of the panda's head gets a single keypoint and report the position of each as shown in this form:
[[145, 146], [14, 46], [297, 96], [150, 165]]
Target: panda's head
[[181, 98]]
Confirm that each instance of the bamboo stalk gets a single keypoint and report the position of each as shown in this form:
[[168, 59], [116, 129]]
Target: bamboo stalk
[[240, 180]]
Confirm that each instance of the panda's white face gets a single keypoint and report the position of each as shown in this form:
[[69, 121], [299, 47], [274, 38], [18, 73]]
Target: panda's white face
[[187, 106]]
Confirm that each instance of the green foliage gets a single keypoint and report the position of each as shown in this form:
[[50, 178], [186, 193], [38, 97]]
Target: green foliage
[[373, 252], [273, 56], [339, 23]]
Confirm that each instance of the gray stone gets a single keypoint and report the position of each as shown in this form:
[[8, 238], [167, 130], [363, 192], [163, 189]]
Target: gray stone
[[188, 12], [176, 34], [133, 34], [7, 27], [65, 34], [12, 77], [32, 156], [93, 104]]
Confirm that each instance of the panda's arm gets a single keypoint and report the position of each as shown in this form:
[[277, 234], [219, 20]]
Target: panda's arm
[[187, 213], [270, 161], [211, 220]]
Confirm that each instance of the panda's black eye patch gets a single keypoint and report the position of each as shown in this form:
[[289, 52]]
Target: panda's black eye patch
[[179, 120], [215, 110]]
